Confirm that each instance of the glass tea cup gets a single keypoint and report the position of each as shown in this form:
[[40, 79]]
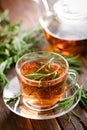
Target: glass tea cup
[[42, 79]]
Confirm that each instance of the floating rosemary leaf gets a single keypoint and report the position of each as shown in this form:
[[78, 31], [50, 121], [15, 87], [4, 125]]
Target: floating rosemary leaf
[[38, 76], [54, 75], [46, 72], [47, 64]]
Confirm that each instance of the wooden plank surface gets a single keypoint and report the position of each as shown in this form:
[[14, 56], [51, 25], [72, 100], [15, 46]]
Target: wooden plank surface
[[20, 10], [11, 121]]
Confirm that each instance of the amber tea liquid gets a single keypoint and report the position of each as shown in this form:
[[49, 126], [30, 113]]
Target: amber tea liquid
[[47, 93], [65, 38]]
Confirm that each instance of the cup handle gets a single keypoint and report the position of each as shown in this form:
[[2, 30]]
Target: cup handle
[[72, 78]]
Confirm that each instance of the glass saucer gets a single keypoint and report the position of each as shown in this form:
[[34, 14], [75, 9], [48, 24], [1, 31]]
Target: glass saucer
[[15, 104]]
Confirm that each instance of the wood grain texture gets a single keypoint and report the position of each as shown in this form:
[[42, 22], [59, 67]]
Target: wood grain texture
[[50, 124], [22, 10]]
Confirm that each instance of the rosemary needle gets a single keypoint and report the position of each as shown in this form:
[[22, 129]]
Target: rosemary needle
[[65, 103], [74, 113], [47, 64]]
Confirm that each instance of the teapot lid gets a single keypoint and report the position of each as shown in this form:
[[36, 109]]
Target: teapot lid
[[71, 10]]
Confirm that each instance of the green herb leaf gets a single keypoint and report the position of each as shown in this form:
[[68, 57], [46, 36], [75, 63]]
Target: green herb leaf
[[74, 63], [14, 42], [83, 100], [65, 103]]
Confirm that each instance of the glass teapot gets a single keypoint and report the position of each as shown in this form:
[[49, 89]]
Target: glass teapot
[[65, 25]]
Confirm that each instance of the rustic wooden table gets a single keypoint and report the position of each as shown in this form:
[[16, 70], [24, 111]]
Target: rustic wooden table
[[18, 10]]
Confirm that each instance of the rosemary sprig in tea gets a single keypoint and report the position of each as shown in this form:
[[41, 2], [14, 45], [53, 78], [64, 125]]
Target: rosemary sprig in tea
[[37, 75]]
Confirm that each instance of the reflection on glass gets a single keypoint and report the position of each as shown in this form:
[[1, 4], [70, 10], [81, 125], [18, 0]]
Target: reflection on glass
[[64, 24]]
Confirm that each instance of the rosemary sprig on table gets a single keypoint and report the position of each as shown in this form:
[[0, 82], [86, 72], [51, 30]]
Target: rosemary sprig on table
[[74, 63], [68, 101], [9, 100], [83, 100], [14, 42], [63, 104]]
